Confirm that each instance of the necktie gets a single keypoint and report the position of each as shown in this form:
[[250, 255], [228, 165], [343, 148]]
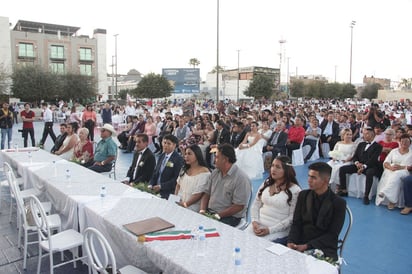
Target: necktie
[[275, 139], [139, 157], [162, 167]]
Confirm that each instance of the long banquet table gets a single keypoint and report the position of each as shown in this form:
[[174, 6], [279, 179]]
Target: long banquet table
[[80, 205]]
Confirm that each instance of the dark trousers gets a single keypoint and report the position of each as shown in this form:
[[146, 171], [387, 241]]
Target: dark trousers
[[332, 142], [25, 135], [123, 139], [350, 169], [100, 169], [48, 130], [291, 147], [276, 150], [407, 190], [312, 144], [89, 124], [230, 220]]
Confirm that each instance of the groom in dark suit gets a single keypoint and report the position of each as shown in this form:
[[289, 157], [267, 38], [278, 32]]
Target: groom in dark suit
[[144, 162], [220, 136], [277, 141], [365, 162], [168, 168]]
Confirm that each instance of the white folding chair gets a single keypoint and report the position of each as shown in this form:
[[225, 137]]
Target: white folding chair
[[100, 255], [112, 172], [245, 222], [315, 155], [51, 243], [28, 228], [356, 185], [342, 241], [297, 156], [13, 182]]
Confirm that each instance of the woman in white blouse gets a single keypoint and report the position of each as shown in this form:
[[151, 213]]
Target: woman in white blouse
[[273, 207]]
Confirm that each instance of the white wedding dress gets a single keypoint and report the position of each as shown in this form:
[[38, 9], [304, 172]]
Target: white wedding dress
[[390, 183], [68, 154], [347, 151], [250, 159]]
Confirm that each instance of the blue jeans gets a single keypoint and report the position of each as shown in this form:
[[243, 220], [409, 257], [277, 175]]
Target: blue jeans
[[4, 132]]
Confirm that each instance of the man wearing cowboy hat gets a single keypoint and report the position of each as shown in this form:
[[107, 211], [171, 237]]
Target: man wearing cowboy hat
[[106, 150]]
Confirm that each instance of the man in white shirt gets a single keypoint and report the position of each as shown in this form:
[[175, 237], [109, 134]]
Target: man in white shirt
[[48, 124], [130, 109]]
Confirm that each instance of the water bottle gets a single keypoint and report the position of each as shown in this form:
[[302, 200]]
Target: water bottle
[[16, 147], [55, 168], [68, 176], [30, 156], [201, 235], [103, 191], [237, 256]]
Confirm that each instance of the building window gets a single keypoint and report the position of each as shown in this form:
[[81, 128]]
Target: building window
[[26, 50], [85, 54], [57, 68], [85, 69], [57, 52]]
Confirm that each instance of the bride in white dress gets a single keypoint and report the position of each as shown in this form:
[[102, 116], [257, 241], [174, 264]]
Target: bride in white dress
[[66, 150], [394, 170], [249, 153], [341, 155]]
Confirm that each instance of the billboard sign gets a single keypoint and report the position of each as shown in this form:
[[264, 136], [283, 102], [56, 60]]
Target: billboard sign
[[183, 80]]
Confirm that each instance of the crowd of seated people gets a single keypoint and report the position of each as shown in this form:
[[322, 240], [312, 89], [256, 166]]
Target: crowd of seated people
[[209, 159]]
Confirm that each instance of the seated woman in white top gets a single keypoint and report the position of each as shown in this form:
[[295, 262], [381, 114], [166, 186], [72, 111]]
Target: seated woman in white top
[[341, 155], [194, 174], [395, 169], [272, 210], [66, 150]]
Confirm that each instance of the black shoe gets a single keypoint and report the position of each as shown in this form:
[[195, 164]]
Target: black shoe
[[342, 193], [127, 151], [366, 201], [122, 147]]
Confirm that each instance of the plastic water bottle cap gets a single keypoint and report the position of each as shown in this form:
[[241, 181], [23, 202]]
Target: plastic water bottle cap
[[237, 249], [200, 227]]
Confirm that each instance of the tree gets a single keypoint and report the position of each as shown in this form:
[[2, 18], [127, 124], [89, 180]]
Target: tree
[[260, 86], [77, 87], [370, 91], [194, 62], [153, 86], [217, 68], [33, 84], [297, 88], [4, 80]]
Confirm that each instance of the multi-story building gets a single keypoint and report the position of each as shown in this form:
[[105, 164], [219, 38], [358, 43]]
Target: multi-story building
[[385, 83], [232, 88], [57, 48]]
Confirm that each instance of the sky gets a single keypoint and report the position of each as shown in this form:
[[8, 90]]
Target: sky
[[156, 34]]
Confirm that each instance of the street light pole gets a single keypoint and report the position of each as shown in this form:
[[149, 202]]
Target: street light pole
[[238, 73], [281, 42], [217, 53], [115, 57], [352, 24]]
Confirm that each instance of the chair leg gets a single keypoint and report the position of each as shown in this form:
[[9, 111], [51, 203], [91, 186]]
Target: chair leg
[[25, 249], [39, 260], [51, 261]]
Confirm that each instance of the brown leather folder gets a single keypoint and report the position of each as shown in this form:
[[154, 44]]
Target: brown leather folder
[[148, 225]]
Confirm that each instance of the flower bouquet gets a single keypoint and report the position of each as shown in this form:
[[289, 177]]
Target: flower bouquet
[[144, 187], [337, 155]]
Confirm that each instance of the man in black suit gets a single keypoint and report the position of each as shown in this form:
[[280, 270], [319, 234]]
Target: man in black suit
[[365, 162], [59, 139], [319, 215], [238, 134], [277, 141], [220, 136], [330, 131], [167, 168], [143, 164]]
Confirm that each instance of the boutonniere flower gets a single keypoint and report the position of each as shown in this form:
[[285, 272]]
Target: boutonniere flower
[[169, 164], [141, 163]]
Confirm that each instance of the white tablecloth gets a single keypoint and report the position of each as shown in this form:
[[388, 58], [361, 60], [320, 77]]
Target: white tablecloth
[[80, 205]]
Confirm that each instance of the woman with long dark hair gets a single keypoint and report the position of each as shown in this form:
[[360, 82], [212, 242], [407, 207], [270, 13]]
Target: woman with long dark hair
[[272, 210], [193, 175]]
